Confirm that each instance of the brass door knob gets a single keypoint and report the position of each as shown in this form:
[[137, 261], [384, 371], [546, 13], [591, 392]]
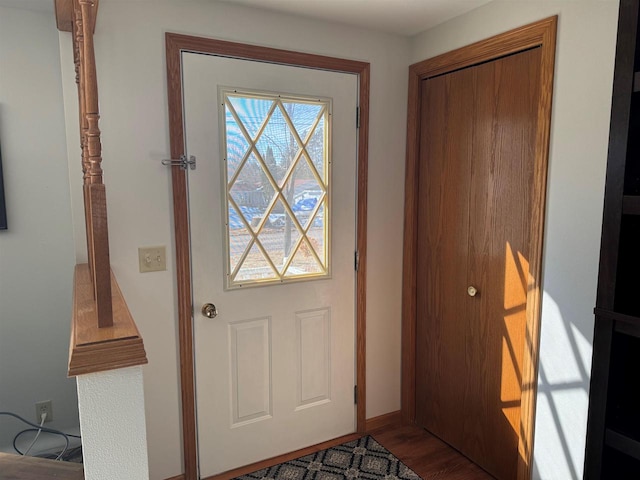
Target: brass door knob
[[472, 291], [209, 310]]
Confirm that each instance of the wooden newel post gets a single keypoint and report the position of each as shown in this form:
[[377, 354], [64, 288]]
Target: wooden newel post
[[95, 201]]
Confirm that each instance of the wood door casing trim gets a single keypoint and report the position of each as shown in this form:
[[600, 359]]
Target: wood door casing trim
[[175, 45], [540, 34]]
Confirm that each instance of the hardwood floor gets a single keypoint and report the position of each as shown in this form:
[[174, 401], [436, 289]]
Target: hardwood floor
[[13, 467], [422, 452], [427, 455]]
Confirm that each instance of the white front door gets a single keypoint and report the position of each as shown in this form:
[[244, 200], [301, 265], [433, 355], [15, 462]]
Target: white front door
[[273, 216]]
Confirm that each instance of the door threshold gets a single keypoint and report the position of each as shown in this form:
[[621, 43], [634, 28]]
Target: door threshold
[[270, 462]]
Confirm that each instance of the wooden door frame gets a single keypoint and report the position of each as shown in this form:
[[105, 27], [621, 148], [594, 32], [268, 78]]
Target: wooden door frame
[[539, 34], [175, 45]]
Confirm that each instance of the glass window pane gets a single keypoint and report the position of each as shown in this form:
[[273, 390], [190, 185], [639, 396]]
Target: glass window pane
[[317, 234], [237, 145], [304, 262], [316, 147], [277, 146], [303, 116], [239, 238], [251, 111], [303, 191], [279, 236], [255, 267], [252, 191], [277, 171]]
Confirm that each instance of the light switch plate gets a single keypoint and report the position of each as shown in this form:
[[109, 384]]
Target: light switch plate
[[152, 259]]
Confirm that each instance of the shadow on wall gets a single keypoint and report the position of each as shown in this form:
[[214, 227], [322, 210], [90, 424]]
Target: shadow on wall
[[563, 393]]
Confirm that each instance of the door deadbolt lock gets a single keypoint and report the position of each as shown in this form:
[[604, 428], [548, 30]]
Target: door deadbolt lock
[[209, 310], [472, 291]]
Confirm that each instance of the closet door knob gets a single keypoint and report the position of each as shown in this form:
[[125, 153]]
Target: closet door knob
[[472, 291]]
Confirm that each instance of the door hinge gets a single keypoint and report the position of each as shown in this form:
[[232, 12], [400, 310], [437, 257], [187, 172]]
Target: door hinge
[[356, 260], [357, 117], [183, 162], [355, 394]]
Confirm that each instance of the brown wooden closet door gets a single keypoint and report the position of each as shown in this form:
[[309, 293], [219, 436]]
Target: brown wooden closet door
[[443, 228], [475, 201]]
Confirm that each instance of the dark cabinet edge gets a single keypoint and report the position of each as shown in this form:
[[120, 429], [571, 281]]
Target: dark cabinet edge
[[631, 205], [625, 85], [623, 79], [596, 425], [630, 329], [626, 324], [622, 443], [618, 317]]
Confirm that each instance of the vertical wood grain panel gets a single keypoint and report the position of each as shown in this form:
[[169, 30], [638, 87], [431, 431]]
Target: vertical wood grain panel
[[409, 269], [100, 253], [363, 71], [501, 203], [443, 232]]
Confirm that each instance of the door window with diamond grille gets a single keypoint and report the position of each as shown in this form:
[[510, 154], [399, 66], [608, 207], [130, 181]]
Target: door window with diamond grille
[[277, 173]]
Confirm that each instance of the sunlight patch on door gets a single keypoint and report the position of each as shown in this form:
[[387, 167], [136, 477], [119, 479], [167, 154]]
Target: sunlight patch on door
[[276, 154]]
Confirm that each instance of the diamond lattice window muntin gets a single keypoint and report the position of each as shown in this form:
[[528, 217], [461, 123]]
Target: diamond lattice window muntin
[[276, 153]]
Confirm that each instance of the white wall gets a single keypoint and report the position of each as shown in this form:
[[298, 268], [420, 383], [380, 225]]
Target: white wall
[[579, 136], [114, 441], [36, 253], [131, 71]]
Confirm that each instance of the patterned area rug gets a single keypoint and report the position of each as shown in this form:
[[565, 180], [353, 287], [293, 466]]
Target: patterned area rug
[[360, 459]]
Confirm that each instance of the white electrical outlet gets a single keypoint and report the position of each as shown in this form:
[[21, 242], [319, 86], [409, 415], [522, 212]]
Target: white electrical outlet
[[44, 407], [152, 259]]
